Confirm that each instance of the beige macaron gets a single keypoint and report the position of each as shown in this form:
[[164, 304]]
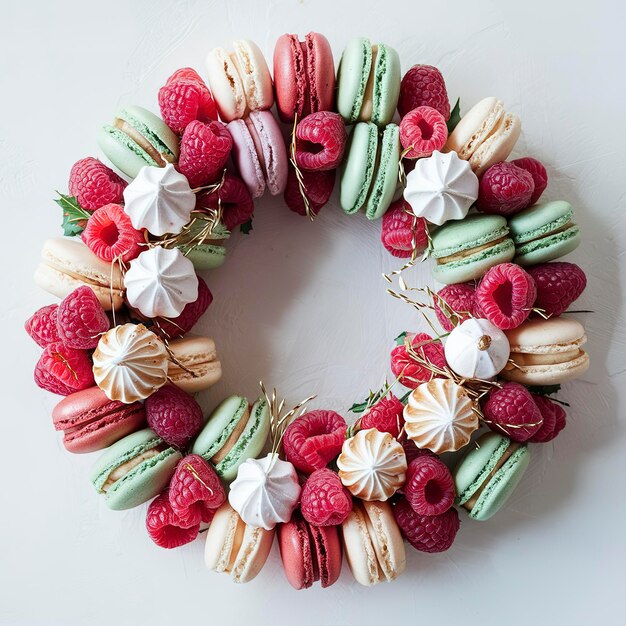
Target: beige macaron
[[372, 543], [485, 135], [234, 547], [68, 263], [546, 352], [194, 365]]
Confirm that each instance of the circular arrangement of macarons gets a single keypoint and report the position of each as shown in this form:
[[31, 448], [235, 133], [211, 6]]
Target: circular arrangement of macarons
[[453, 431]]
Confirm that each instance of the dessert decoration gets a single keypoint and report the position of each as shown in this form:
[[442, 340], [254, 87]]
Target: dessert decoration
[[42, 327], [429, 487], [63, 370], [442, 187], [553, 419], [505, 189], [559, 284], [81, 319], [130, 363], [458, 299], [165, 527], [404, 366], [324, 500], [320, 141], [423, 85], [422, 131], [385, 416], [540, 177], [403, 234], [319, 187], [93, 184]]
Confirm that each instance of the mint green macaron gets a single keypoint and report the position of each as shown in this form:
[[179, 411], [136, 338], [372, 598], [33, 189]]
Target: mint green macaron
[[544, 232], [368, 82], [369, 174], [134, 469], [137, 138], [466, 249], [488, 474], [207, 256], [233, 433]]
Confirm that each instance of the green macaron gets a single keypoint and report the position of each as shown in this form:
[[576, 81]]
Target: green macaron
[[137, 138], [466, 249], [488, 474], [207, 256], [233, 433], [369, 174], [544, 232], [134, 469]]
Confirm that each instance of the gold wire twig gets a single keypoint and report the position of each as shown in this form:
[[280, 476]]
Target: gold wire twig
[[190, 468], [298, 172]]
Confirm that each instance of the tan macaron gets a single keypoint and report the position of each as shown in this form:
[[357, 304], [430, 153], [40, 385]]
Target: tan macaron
[[195, 366]]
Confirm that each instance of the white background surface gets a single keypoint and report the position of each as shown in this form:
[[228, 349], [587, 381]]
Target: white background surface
[[303, 307]]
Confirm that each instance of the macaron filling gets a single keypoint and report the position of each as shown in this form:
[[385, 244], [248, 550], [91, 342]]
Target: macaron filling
[[487, 127], [125, 468], [139, 136], [559, 225], [367, 101], [470, 252], [232, 438]]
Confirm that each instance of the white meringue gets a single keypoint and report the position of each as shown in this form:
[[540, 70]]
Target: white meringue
[[160, 200], [160, 282], [442, 187], [265, 492], [130, 363], [372, 465], [477, 349]]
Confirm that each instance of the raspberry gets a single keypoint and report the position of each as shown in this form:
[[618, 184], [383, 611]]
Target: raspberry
[[413, 452], [423, 85], [505, 189], [236, 200], [553, 416], [174, 415], [324, 500], [539, 174], [165, 528], [64, 370], [94, 184], [513, 411], [110, 234], [422, 131], [427, 533], [195, 490], [429, 486], [318, 185], [81, 319], [409, 372], [185, 98], [506, 295], [314, 439], [204, 150], [385, 416], [401, 230], [461, 298], [558, 285], [42, 325], [320, 141]]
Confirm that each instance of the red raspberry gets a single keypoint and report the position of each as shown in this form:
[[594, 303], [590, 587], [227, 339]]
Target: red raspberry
[[42, 325], [185, 98], [110, 234], [423, 85], [506, 295], [427, 533], [64, 370], [236, 199], [539, 174], [513, 411], [318, 185], [94, 184], [320, 141], [204, 150], [422, 131], [81, 319], [505, 189], [324, 500], [401, 230], [553, 416], [461, 298], [409, 372], [174, 415], [413, 452], [558, 285], [314, 439], [429, 486], [385, 416], [195, 491], [165, 528]]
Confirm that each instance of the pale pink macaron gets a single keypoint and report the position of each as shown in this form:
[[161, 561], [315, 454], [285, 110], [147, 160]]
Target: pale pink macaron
[[260, 153]]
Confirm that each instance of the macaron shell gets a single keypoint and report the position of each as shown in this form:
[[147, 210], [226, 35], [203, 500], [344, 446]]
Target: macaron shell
[[358, 167], [498, 145], [547, 336], [226, 85], [359, 549], [205, 256], [473, 231], [252, 555], [320, 69], [539, 220], [274, 150], [198, 354], [294, 543], [327, 553], [153, 128], [254, 73], [127, 156], [290, 79], [352, 77], [553, 374], [386, 177], [548, 248], [244, 154], [386, 88], [386, 539]]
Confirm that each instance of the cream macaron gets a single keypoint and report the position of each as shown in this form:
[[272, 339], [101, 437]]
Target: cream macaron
[[194, 365], [546, 352]]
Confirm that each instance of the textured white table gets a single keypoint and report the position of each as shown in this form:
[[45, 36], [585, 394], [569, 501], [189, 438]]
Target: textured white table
[[303, 307]]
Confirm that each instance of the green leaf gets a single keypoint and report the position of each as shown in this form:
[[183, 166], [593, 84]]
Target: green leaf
[[455, 116], [545, 390], [74, 216], [359, 407], [404, 399], [400, 338], [246, 228]]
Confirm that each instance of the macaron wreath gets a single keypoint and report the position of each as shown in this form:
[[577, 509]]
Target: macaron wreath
[[119, 347]]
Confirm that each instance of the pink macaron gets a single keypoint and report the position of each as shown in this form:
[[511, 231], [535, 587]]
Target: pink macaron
[[259, 153], [90, 421]]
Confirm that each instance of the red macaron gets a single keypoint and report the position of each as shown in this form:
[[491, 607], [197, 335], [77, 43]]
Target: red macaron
[[90, 421], [304, 76], [309, 553]]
